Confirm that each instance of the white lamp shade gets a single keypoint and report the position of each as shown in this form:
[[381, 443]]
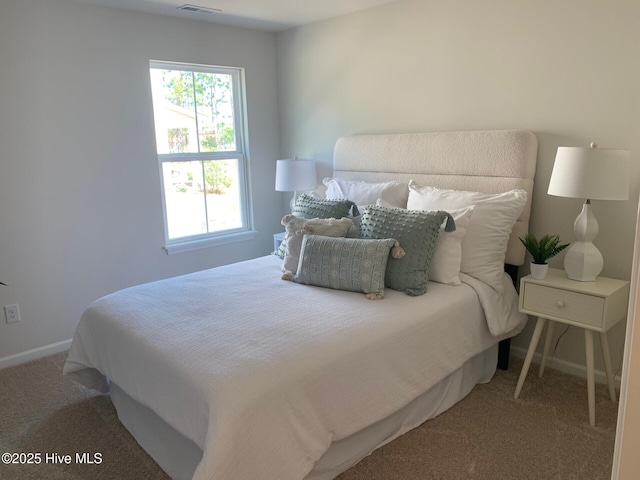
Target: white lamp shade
[[295, 175], [590, 173]]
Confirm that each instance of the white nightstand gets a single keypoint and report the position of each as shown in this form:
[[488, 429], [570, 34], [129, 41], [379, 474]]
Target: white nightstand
[[277, 240], [594, 306]]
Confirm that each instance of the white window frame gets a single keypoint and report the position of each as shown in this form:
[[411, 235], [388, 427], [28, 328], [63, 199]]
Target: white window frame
[[245, 232]]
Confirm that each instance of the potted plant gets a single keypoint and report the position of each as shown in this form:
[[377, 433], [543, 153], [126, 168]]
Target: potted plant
[[542, 250]]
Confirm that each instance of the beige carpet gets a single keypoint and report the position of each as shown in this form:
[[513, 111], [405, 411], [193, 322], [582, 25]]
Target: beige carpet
[[545, 435]]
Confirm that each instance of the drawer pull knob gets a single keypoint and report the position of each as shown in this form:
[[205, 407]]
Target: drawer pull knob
[[559, 304]]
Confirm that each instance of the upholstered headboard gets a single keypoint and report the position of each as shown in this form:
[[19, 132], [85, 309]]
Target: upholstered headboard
[[491, 161]]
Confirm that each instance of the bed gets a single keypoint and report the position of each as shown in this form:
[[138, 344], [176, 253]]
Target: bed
[[234, 373]]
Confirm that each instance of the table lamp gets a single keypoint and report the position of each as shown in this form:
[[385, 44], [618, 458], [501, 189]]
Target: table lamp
[[593, 174], [297, 175]]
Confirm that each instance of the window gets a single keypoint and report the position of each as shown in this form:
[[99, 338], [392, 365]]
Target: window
[[200, 140]]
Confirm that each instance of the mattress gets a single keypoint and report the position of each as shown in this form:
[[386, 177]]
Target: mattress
[[262, 375]]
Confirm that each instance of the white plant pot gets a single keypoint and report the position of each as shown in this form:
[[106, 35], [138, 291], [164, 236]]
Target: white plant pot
[[538, 272]]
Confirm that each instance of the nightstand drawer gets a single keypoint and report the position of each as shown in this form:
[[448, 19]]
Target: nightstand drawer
[[577, 307]]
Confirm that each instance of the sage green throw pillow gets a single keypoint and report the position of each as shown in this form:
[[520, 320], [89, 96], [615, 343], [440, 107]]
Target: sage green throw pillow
[[345, 264], [417, 231], [308, 207]]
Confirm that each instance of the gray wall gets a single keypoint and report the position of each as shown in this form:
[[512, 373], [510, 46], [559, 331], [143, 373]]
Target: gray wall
[[567, 70], [80, 200]]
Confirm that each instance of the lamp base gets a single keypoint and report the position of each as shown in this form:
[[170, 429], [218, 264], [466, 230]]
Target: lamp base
[[583, 261]]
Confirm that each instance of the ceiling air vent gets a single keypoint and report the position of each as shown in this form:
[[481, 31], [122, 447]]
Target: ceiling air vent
[[187, 7]]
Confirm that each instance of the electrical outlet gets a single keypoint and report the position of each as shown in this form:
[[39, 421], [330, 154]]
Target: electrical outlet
[[12, 313]]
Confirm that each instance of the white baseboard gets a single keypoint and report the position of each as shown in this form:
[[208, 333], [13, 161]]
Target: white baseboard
[[34, 354], [571, 368]]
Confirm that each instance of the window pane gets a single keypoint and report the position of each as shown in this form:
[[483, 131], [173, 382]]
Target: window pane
[[224, 205], [214, 101], [174, 112], [184, 197], [197, 109]]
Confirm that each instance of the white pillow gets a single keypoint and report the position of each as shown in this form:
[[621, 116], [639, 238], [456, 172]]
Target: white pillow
[[365, 193], [484, 244], [447, 258]]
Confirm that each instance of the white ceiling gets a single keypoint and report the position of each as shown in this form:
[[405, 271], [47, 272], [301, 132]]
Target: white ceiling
[[271, 15]]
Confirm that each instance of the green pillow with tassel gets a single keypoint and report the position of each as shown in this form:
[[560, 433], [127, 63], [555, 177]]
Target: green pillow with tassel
[[417, 232]]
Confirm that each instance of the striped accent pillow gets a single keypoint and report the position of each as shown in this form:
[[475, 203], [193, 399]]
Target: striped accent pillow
[[344, 264]]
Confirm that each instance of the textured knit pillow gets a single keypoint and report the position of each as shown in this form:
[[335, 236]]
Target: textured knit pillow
[[345, 264], [447, 256], [308, 207], [297, 227], [417, 232]]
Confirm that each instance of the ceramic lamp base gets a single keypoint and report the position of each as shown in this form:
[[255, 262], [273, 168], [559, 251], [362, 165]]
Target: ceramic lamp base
[[583, 261]]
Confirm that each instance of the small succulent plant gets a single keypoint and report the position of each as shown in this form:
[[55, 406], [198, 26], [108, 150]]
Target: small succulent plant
[[543, 249]]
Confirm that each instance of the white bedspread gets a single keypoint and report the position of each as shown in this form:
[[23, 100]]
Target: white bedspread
[[264, 374]]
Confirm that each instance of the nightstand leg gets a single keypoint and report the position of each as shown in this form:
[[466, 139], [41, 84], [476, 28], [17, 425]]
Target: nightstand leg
[[604, 342], [547, 344], [527, 360], [591, 385]]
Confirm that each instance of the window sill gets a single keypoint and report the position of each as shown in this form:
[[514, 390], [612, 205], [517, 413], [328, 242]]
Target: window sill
[[190, 245]]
